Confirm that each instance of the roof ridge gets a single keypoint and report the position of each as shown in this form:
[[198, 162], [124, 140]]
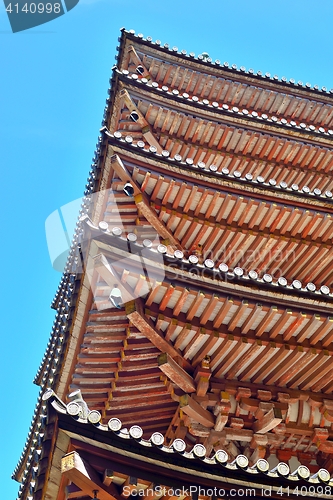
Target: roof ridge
[[205, 60]]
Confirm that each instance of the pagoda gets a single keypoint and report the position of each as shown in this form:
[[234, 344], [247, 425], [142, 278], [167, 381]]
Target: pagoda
[[191, 355]]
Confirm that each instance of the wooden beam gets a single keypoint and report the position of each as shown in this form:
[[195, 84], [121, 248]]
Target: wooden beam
[[221, 421], [111, 277], [176, 373], [244, 360], [238, 333], [237, 315], [142, 202], [136, 60], [142, 122], [232, 386], [206, 347], [129, 485], [268, 422], [152, 218], [73, 491], [135, 314], [174, 422], [202, 376], [84, 476], [231, 358], [195, 411], [108, 477]]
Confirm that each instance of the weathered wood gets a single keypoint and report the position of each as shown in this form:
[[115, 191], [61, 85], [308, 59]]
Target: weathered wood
[[133, 56], [83, 475], [152, 218], [202, 377], [232, 386], [268, 421], [195, 411], [221, 422], [73, 491], [107, 477], [202, 385], [238, 333], [129, 485], [199, 430], [142, 202], [135, 314], [176, 373], [146, 129]]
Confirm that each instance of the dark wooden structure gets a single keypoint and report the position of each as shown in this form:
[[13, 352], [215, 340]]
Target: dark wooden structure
[[196, 303]]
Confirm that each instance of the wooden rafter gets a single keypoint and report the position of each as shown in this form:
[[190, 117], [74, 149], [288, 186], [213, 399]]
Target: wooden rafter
[[193, 409], [84, 476], [142, 202], [133, 56], [142, 122], [135, 313], [222, 330], [176, 373]]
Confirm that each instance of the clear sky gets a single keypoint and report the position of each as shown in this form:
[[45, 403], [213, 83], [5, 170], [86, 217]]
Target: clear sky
[[54, 81]]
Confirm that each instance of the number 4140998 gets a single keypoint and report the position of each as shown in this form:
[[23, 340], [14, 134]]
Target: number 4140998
[[317, 490], [33, 8]]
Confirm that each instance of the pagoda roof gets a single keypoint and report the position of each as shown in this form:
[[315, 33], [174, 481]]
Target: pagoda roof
[[214, 79], [219, 136], [113, 442], [252, 213], [224, 111], [217, 158]]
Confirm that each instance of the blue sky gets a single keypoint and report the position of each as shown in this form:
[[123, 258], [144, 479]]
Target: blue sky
[[54, 81]]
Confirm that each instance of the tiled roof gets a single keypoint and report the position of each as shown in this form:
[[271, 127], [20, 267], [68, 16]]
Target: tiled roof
[[83, 416], [207, 62]]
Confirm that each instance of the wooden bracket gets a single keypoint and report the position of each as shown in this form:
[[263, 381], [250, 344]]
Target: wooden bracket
[[129, 485], [270, 420], [142, 122], [137, 61], [84, 476], [175, 373], [135, 313], [142, 202], [195, 411], [108, 477]]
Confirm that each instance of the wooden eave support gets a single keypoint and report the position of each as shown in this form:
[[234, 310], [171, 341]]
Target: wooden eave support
[[137, 317], [268, 422], [258, 130], [73, 491], [111, 277], [136, 59], [195, 411], [74, 468], [103, 267], [142, 202], [129, 485], [142, 122], [176, 373], [108, 477], [221, 421], [202, 376], [174, 422]]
